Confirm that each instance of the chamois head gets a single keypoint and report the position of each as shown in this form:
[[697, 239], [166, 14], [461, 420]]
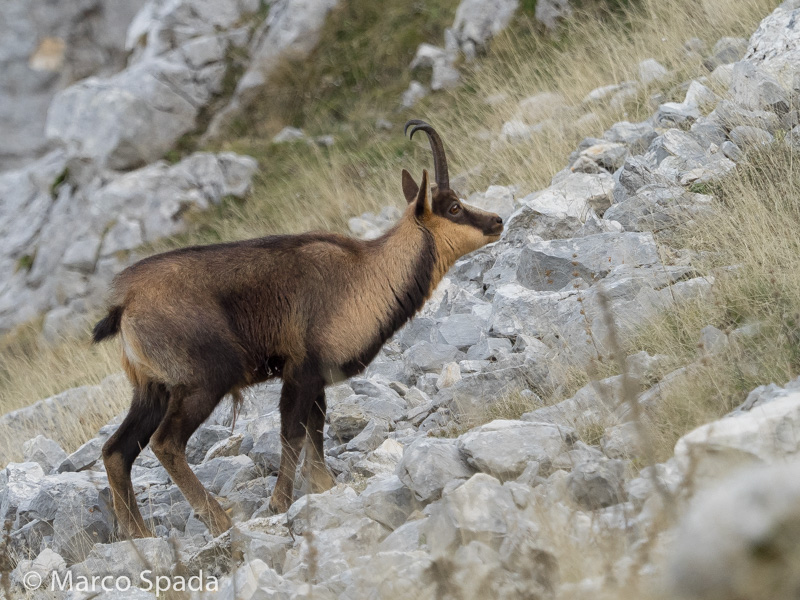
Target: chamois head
[[457, 227]]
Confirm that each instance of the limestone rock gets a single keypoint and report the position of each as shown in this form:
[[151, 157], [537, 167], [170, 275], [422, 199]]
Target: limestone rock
[[551, 12], [44, 451], [737, 539], [505, 448], [766, 433], [553, 265], [429, 464]]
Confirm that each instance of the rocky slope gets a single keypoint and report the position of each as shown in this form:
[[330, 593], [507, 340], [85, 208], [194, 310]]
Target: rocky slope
[[435, 498], [74, 217]]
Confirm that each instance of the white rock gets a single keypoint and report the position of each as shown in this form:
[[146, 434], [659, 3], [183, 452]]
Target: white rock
[[415, 92], [451, 373], [767, 433], [478, 20], [497, 199], [652, 71], [700, 96], [44, 451], [541, 106], [288, 134], [504, 448], [429, 464], [738, 539], [18, 483], [552, 12], [574, 196]]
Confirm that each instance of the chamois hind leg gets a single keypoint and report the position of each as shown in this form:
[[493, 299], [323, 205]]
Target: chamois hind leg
[[186, 411], [314, 470], [301, 387], [147, 409]]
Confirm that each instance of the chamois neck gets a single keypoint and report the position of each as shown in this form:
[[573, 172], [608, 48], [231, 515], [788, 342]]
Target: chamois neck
[[411, 245], [405, 261]]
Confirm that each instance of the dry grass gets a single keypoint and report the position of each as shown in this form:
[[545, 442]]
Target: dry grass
[[754, 228], [305, 187], [31, 369]]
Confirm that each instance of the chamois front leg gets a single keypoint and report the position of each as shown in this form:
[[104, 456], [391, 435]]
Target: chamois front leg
[[301, 387], [314, 470]]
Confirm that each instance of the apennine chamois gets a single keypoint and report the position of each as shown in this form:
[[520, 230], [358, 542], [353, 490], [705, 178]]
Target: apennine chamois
[[315, 308]]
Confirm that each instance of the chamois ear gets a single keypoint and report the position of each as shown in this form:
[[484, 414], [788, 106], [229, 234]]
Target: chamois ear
[[410, 187], [423, 196]]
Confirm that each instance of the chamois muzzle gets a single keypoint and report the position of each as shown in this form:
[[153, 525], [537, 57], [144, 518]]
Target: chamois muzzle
[[495, 227]]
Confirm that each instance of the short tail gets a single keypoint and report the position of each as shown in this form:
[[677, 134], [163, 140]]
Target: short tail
[[108, 326]]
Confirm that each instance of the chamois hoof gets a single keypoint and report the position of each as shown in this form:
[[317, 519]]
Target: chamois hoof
[[278, 507], [134, 532], [322, 482], [219, 524]]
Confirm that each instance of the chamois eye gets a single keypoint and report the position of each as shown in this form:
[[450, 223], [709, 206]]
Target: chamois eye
[[455, 209]]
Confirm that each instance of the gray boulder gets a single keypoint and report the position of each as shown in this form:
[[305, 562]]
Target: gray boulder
[[441, 60], [480, 509], [84, 236], [46, 48], [657, 207], [430, 358], [574, 196], [551, 12], [429, 464], [415, 92], [219, 475], [369, 438], [128, 559], [46, 564], [387, 500], [745, 136], [765, 434], [329, 510], [592, 404], [134, 117], [476, 21], [623, 441], [84, 457], [19, 482], [505, 448], [206, 436], [676, 114], [44, 451], [461, 331], [774, 47], [637, 136], [553, 265], [82, 513], [651, 71], [753, 88], [594, 484], [730, 115], [348, 418], [728, 50], [737, 540]]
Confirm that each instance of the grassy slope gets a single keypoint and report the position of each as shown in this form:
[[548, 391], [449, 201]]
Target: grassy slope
[[356, 75]]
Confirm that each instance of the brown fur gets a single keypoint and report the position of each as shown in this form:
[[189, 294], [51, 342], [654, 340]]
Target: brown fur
[[202, 322]]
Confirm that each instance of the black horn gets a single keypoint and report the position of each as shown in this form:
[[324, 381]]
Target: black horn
[[439, 159]]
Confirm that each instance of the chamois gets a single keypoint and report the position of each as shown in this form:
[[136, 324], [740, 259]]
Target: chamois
[[315, 308]]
